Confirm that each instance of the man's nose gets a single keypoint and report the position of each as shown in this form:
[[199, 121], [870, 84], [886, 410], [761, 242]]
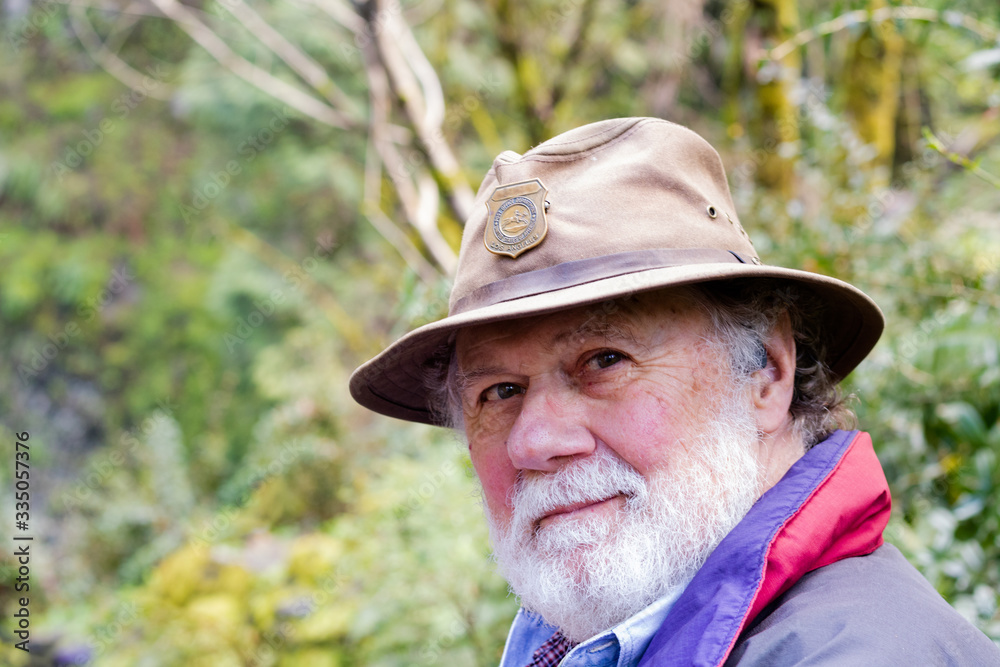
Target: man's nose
[[550, 429]]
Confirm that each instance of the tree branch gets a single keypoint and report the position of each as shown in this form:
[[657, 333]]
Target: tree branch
[[398, 169], [961, 160], [112, 64], [423, 103], [844, 21], [132, 9], [303, 65], [398, 240], [249, 72], [120, 31], [370, 204], [341, 14]]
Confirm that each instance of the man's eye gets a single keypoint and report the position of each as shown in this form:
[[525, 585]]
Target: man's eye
[[605, 359], [502, 391]]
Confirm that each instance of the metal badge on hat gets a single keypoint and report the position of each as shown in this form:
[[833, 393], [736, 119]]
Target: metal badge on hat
[[516, 220]]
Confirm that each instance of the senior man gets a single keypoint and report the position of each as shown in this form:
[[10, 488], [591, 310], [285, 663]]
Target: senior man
[[653, 415]]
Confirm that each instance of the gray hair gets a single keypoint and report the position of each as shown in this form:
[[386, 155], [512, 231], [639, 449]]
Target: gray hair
[[441, 381], [743, 315]]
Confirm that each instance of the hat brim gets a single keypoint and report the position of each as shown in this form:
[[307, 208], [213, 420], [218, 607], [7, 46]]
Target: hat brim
[[394, 383]]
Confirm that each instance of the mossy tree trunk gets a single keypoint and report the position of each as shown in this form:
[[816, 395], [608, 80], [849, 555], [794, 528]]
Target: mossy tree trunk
[[873, 88], [778, 127], [773, 120]]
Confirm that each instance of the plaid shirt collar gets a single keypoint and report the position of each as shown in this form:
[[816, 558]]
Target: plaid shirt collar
[[551, 651]]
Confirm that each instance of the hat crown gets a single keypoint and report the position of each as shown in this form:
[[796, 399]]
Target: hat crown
[[601, 212], [616, 186]]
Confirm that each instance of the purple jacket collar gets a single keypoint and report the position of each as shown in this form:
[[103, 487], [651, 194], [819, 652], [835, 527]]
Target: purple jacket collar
[[833, 503]]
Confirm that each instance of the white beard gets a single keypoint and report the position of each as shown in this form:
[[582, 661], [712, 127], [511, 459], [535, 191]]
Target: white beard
[[587, 575]]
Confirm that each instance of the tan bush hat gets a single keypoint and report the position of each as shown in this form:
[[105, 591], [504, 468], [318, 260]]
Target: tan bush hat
[[606, 210]]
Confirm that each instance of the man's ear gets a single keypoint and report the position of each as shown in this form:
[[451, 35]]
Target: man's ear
[[774, 384]]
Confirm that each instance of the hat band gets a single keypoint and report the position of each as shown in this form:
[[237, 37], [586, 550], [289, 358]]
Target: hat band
[[582, 271]]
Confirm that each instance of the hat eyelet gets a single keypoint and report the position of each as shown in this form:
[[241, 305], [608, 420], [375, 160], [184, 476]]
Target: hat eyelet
[[712, 212]]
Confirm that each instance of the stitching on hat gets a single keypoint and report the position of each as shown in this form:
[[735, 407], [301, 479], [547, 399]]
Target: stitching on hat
[[508, 157], [528, 157], [613, 128]]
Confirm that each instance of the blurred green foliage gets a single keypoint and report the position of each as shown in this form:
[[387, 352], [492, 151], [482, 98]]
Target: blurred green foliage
[[204, 491]]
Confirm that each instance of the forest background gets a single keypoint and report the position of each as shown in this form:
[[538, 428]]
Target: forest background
[[211, 212]]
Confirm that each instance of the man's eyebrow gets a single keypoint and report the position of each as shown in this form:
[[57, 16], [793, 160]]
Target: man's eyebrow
[[463, 379], [599, 327]]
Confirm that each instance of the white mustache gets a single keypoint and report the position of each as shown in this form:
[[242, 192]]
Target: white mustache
[[590, 480]]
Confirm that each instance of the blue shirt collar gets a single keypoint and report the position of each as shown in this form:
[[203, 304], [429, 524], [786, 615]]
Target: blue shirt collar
[[621, 646]]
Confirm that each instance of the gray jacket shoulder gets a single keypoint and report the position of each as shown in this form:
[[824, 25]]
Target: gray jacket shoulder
[[867, 610]]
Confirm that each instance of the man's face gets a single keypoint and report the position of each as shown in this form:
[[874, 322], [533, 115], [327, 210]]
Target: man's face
[[604, 440], [541, 392]]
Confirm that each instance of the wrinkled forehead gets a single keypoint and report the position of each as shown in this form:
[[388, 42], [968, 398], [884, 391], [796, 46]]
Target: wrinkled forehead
[[630, 319]]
